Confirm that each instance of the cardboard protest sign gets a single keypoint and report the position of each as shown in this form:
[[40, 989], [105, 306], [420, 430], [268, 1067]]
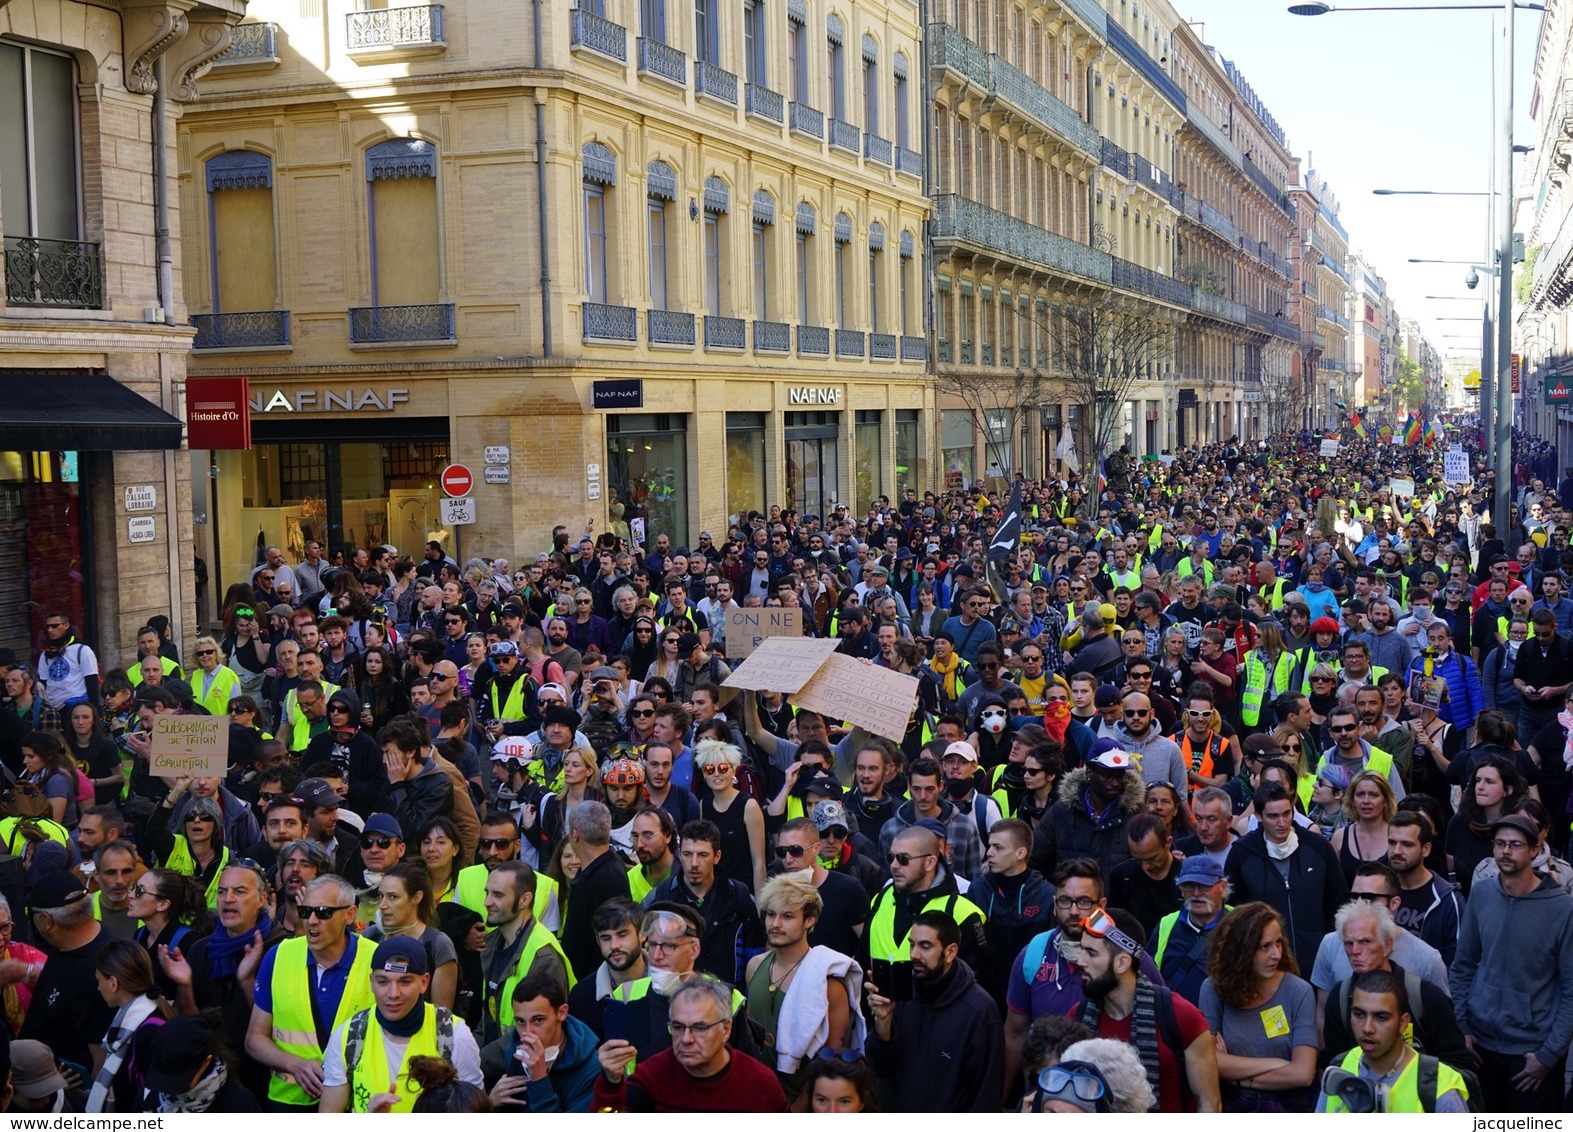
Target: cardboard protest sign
[[1329, 448], [1455, 467], [874, 698], [195, 745], [1402, 487], [747, 628], [781, 664]]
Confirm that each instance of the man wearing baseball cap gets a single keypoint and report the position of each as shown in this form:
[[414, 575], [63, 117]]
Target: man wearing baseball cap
[[366, 1065], [1095, 803], [1180, 943]]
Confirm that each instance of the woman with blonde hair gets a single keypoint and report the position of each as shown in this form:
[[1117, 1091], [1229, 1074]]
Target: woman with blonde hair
[[581, 782], [212, 684], [736, 815], [1369, 805]]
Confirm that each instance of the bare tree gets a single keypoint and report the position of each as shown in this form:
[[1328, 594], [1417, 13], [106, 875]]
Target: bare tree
[[1105, 347], [1002, 405], [1284, 396]]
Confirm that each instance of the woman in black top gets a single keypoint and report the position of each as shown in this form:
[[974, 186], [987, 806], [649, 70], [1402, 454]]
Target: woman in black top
[[735, 814], [95, 754], [174, 914], [1492, 789]]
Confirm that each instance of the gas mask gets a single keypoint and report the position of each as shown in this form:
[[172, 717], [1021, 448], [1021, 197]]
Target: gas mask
[[993, 720]]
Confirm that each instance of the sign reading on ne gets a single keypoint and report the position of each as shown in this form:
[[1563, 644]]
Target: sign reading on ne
[[745, 628], [194, 745]]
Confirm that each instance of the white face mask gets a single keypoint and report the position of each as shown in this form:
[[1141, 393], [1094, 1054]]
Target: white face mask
[[992, 722], [664, 983]]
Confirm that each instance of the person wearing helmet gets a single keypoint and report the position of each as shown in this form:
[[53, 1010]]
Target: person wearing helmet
[[622, 782]]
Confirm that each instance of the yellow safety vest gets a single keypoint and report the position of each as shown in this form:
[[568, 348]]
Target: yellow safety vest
[[98, 909], [1257, 680], [639, 885], [181, 861], [225, 687], [1379, 763], [134, 673], [882, 940], [369, 1075], [1404, 1096], [1166, 929], [513, 703], [1276, 602], [294, 1025], [293, 722], [501, 1007], [470, 890], [1186, 568]]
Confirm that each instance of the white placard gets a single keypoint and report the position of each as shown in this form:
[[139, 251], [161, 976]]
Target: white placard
[[592, 489], [592, 471], [142, 497], [1329, 448], [497, 473], [144, 529], [458, 512], [497, 454], [1455, 466], [636, 529], [1402, 487]]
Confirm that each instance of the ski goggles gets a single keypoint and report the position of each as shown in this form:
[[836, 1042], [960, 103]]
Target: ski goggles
[[1102, 925], [1077, 1082]]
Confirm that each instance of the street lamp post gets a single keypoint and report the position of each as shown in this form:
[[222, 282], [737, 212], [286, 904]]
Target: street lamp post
[[1500, 438]]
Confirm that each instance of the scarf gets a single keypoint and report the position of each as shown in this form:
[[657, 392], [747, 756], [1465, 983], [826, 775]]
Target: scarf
[[946, 670], [1144, 1030], [1566, 720], [200, 1097], [225, 950], [405, 1027], [1056, 719], [1286, 850], [117, 1043]]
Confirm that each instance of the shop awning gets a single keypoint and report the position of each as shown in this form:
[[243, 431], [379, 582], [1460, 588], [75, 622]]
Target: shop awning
[[61, 412]]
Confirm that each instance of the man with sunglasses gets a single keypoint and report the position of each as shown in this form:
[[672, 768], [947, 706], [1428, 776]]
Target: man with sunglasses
[[1354, 753], [305, 988], [971, 629], [843, 913], [1121, 1002]]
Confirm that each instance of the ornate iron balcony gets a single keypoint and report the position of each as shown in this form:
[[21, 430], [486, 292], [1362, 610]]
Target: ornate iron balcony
[[909, 161], [913, 348], [610, 324], [944, 351], [844, 135], [235, 330], [598, 34], [959, 219], [955, 52], [882, 347], [1018, 88], [250, 43], [988, 354], [1115, 158], [966, 353], [849, 344], [53, 273], [1006, 354], [772, 337], [813, 341], [804, 119], [877, 149], [712, 82], [421, 322], [725, 333], [419, 25], [662, 62], [762, 102], [671, 328]]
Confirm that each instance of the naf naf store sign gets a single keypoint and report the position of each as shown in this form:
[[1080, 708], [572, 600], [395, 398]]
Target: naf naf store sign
[[346, 400]]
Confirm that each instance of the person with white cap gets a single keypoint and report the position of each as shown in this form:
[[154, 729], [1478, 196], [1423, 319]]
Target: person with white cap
[[1095, 803]]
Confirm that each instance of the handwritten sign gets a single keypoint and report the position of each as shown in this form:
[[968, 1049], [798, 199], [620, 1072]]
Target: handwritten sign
[[1329, 448], [1455, 466], [746, 628], [781, 664], [196, 745], [1402, 487], [874, 698]]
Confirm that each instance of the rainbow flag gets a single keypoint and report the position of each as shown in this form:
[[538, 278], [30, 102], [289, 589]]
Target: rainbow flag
[[1357, 424], [1432, 436], [1412, 430]]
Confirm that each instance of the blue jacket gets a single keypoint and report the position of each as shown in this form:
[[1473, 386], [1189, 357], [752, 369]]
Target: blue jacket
[[569, 1085], [1497, 683], [1562, 610], [1465, 696]]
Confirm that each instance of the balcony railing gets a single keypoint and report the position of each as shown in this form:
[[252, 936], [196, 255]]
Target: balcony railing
[[1205, 302], [958, 219], [909, 162], [762, 102], [419, 322], [670, 328], [913, 348], [1218, 222], [882, 347], [67, 274], [1115, 158], [944, 351], [725, 333], [661, 61], [772, 337], [877, 149], [955, 52], [844, 135], [1144, 63], [1144, 281], [605, 323], [967, 353], [1018, 88], [598, 34], [239, 330], [987, 353], [813, 341], [1006, 354], [711, 81], [378, 29], [804, 119], [850, 344], [1337, 318], [250, 43]]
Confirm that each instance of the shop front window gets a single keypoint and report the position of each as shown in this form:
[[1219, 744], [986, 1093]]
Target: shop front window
[[41, 562], [909, 471], [870, 465], [813, 462], [745, 463], [958, 451], [647, 462]]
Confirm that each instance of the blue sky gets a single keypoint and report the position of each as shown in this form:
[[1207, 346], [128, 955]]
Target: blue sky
[[1397, 100]]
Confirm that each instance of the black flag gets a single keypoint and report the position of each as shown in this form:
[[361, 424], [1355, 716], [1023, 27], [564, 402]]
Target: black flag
[[1008, 537]]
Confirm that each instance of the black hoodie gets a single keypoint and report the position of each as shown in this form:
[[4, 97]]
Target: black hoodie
[[945, 1053], [354, 752]]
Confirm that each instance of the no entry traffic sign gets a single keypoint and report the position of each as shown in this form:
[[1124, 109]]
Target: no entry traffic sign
[[457, 480]]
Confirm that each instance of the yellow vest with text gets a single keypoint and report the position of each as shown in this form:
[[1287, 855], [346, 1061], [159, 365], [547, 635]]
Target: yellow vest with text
[[1404, 1096], [294, 1025], [1260, 684], [882, 940]]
